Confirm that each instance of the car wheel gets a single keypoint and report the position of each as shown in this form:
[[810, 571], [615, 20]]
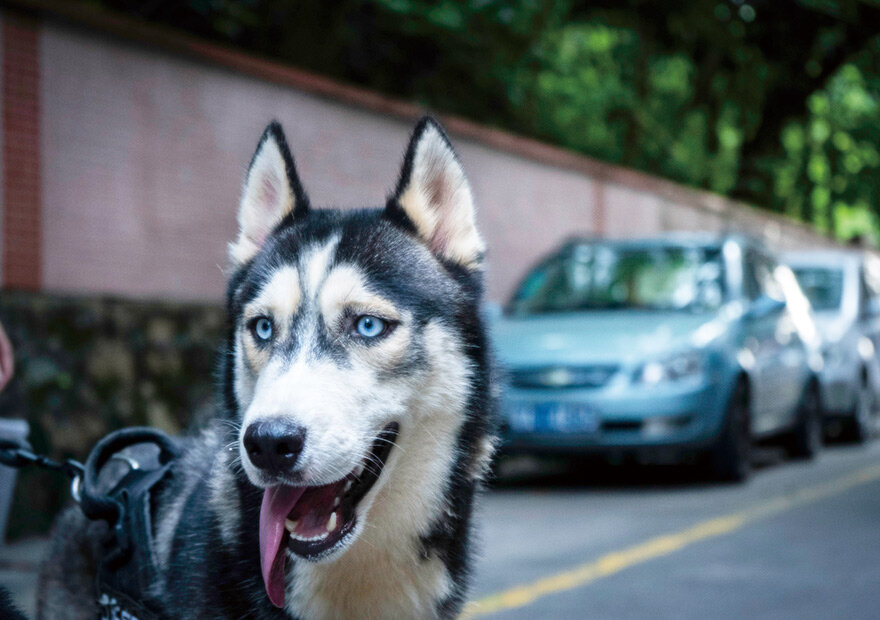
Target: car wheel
[[859, 422], [730, 457], [805, 439]]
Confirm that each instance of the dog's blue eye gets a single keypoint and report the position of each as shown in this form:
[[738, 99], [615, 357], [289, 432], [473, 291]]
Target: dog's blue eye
[[370, 326], [263, 328]]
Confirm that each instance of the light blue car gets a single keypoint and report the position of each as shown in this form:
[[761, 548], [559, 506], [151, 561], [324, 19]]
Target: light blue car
[[687, 344]]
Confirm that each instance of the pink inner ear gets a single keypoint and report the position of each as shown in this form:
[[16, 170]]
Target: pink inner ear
[[268, 196], [439, 191], [268, 205], [437, 188]]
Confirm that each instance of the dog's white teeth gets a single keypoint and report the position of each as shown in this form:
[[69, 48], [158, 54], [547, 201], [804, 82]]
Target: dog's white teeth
[[336, 501], [312, 538], [359, 471], [290, 525], [347, 486], [331, 522]]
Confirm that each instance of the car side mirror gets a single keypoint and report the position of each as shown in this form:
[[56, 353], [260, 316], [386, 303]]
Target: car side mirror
[[765, 306]]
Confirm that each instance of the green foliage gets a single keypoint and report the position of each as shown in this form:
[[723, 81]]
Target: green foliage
[[598, 91], [772, 102], [829, 171]]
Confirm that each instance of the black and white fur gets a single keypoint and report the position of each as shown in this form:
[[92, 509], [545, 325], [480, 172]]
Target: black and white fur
[[417, 261]]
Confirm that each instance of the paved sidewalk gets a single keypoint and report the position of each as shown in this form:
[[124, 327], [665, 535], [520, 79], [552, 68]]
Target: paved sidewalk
[[19, 563]]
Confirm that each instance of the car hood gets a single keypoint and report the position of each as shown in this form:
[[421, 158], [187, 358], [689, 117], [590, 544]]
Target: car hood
[[606, 337]]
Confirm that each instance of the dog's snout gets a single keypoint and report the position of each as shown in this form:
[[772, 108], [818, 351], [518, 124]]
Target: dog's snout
[[274, 445]]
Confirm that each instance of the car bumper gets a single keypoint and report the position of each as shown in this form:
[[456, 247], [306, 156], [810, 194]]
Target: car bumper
[[680, 416]]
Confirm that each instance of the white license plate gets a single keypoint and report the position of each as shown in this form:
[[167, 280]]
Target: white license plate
[[553, 417]]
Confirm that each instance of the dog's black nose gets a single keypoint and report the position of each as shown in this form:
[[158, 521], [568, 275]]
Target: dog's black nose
[[274, 445]]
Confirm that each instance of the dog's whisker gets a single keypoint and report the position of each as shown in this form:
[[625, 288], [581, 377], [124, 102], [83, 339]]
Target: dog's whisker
[[391, 443], [231, 423]]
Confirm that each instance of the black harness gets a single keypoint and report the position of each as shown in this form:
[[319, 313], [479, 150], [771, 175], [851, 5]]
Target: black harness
[[127, 569]]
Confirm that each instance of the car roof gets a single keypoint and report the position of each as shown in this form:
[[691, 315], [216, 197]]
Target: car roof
[[682, 238], [823, 258]]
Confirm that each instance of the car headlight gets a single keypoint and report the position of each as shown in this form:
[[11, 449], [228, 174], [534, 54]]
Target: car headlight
[[680, 366]]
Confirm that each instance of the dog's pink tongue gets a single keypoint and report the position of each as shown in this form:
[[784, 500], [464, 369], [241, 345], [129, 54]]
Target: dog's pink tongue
[[277, 504]]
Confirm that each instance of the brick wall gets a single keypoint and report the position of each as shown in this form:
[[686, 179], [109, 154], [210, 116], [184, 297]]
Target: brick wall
[[22, 241]]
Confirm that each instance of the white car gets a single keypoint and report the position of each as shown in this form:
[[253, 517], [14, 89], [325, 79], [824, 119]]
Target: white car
[[843, 287]]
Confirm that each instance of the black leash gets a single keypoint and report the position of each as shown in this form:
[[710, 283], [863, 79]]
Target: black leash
[[18, 453]]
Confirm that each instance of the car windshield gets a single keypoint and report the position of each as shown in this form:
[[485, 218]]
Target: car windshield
[[823, 286], [600, 276]]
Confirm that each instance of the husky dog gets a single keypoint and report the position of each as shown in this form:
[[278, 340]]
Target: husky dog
[[357, 422]]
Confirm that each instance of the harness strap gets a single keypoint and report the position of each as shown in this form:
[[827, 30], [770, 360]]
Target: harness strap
[[128, 570], [112, 507], [127, 580], [114, 605]]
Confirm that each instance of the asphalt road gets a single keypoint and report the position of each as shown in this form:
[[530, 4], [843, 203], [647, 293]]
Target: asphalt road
[[800, 540]]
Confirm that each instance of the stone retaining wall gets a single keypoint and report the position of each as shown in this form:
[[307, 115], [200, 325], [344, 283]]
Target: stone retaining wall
[[86, 366]]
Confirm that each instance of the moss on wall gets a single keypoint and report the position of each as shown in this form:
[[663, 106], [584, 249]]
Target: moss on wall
[[86, 366]]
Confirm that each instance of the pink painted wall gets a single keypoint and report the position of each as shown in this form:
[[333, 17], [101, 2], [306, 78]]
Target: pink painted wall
[[144, 153], [2, 196]]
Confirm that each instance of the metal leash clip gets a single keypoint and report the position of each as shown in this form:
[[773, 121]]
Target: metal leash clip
[[76, 488], [19, 453]]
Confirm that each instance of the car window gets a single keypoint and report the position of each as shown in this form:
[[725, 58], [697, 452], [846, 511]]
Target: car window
[[864, 293], [751, 284], [590, 276], [796, 303], [760, 278], [823, 286], [869, 287], [872, 278]]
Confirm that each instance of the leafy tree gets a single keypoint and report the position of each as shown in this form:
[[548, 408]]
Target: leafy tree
[[829, 172]]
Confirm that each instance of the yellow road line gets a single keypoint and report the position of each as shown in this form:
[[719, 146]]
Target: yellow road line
[[611, 563]]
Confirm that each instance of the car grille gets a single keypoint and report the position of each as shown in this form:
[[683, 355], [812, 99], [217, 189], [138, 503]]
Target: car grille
[[561, 377]]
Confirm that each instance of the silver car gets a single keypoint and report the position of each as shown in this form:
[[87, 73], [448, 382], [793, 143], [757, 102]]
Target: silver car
[[843, 287]]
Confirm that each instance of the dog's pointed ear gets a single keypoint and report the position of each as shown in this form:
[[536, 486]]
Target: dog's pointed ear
[[434, 198], [272, 191]]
